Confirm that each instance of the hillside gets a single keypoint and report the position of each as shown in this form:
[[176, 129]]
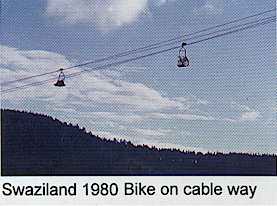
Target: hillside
[[34, 144]]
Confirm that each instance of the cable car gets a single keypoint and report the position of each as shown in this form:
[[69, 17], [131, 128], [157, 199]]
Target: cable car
[[61, 78], [183, 60]]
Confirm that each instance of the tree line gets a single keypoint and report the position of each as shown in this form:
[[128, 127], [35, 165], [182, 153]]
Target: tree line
[[35, 144]]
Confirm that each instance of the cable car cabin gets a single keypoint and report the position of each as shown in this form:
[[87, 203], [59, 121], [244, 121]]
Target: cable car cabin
[[183, 60], [60, 81]]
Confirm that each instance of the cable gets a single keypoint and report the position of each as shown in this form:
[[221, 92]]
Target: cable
[[172, 48], [226, 29], [272, 19], [165, 41], [148, 47], [133, 59]]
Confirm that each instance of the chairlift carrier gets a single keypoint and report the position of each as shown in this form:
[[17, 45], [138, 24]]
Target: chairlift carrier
[[183, 60], [61, 78]]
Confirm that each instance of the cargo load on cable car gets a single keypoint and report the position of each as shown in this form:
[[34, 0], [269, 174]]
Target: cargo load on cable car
[[183, 60], [61, 78]]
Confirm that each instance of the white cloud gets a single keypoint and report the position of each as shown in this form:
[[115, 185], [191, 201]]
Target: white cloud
[[249, 116], [239, 107], [243, 113], [211, 7], [151, 132], [108, 135], [131, 96], [125, 118], [17, 64], [202, 101], [94, 88], [162, 2], [103, 89], [106, 14], [97, 98], [31, 60], [180, 116]]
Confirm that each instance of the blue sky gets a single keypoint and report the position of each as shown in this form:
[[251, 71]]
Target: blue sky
[[224, 102]]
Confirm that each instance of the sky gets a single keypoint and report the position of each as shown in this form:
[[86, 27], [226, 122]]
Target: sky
[[224, 102]]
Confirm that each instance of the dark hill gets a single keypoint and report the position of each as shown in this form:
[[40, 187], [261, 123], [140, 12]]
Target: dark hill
[[34, 144]]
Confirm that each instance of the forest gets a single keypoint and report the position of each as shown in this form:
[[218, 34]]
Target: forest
[[35, 144]]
